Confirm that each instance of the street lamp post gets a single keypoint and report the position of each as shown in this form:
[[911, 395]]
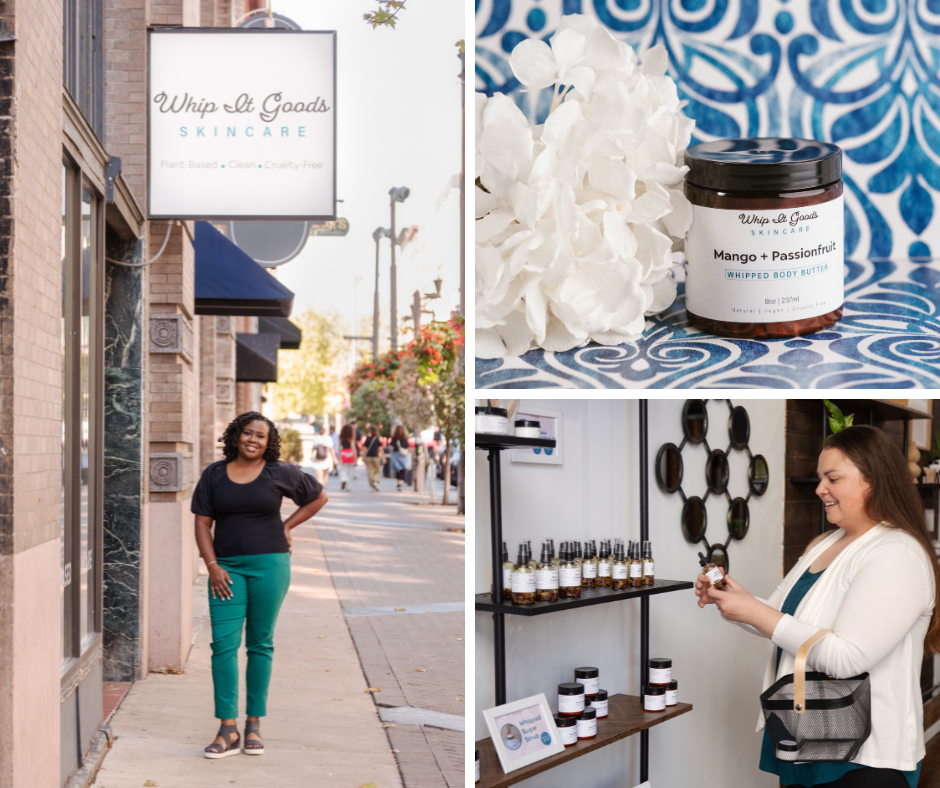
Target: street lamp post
[[380, 232], [396, 194]]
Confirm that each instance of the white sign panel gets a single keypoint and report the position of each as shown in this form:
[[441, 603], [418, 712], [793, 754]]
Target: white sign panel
[[242, 124]]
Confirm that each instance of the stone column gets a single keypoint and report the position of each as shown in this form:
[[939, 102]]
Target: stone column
[[224, 376]]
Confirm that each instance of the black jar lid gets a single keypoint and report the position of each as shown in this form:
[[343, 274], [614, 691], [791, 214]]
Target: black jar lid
[[788, 745], [660, 662], [565, 722], [587, 714], [490, 411], [655, 689], [571, 688], [527, 423], [672, 685], [601, 695], [763, 164], [586, 673]]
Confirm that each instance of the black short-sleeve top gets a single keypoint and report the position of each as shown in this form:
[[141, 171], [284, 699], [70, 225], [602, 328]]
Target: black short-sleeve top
[[248, 516]]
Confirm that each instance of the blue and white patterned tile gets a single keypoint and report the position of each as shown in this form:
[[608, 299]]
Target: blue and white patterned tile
[[860, 73]]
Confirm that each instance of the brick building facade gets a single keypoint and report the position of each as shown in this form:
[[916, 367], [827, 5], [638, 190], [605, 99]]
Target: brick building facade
[[113, 388]]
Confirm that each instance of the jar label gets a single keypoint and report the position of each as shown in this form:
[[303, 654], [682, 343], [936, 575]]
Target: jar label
[[672, 697], [570, 704], [765, 266], [636, 569], [523, 583], [587, 728], [648, 568], [546, 579], [568, 734], [591, 686], [654, 702], [568, 577], [660, 675], [600, 706], [714, 575], [589, 569], [507, 573], [619, 572], [603, 569]]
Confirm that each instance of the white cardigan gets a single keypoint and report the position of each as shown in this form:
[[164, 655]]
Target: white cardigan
[[877, 597]]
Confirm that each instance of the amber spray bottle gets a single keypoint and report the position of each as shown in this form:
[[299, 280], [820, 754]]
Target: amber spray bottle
[[546, 577], [589, 566], [508, 567], [569, 573], [523, 579], [636, 566], [712, 572], [619, 569], [649, 566], [603, 564]]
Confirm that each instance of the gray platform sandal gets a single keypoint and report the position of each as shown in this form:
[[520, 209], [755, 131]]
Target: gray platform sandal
[[230, 747], [253, 747]]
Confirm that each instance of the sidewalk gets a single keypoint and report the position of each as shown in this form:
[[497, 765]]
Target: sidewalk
[[339, 632]]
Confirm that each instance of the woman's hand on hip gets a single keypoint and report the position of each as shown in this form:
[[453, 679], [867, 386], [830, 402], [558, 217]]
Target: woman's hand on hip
[[219, 582]]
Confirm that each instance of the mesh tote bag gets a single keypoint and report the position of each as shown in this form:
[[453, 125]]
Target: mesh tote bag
[[812, 717]]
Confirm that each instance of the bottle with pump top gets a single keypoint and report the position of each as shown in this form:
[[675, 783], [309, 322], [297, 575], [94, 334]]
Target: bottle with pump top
[[577, 552], [551, 547], [508, 567], [569, 573], [619, 569], [648, 565], [603, 564], [523, 579], [532, 562], [546, 577], [636, 566], [589, 566], [712, 572]]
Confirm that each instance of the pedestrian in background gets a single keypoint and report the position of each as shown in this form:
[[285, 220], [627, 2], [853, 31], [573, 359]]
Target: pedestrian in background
[[335, 438], [248, 559], [401, 454], [323, 458], [374, 456], [347, 455], [359, 439]]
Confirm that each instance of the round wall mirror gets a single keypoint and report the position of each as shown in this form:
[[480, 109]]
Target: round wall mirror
[[739, 518], [694, 519], [718, 555], [717, 471], [739, 427], [758, 475], [669, 468], [694, 420]]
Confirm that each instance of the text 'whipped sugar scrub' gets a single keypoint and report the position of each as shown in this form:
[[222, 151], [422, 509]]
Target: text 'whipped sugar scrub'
[[764, 254]]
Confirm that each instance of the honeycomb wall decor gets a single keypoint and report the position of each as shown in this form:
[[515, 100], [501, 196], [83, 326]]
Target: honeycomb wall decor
[[669, 476]]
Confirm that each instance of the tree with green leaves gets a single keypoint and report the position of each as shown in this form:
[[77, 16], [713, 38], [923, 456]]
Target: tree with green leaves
[[386, 15], [369, 404]]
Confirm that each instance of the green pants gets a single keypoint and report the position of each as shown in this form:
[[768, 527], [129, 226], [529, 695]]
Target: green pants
[[259, 585]]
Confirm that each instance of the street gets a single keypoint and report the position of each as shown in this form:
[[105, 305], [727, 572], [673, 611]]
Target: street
[[375, 602]]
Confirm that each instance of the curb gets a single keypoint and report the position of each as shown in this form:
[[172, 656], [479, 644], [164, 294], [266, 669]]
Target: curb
[[85, 776]]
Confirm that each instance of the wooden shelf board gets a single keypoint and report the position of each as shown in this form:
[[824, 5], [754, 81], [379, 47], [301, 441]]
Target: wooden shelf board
[[589, 596], [626, 717], [885, 410], [492, 440]]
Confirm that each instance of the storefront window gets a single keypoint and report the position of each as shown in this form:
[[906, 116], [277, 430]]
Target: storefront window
[[65, 534], [87, 595]]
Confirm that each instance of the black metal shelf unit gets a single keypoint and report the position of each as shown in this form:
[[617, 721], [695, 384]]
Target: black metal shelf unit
[[493, 603]]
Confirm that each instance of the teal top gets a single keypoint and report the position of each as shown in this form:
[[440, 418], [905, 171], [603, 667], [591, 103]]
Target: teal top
[[820, 772]]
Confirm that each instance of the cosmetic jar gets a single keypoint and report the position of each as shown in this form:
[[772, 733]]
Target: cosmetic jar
[[599, 703], [660, 670], [672, 693], [525, 428], [492, 420], [765, 253], [570, 699], [589, 678], [587, 724], [654, 698], [477, 778], [787, 750], [567, 730]]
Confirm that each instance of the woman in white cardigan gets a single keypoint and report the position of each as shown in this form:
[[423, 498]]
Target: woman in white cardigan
[[872, 582]]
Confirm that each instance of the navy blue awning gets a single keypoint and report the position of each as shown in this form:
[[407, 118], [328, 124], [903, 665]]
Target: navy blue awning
[[229, 282], [291, 335], [256, 357]]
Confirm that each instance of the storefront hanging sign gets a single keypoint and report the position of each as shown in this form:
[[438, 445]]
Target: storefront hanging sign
[[242, 124]]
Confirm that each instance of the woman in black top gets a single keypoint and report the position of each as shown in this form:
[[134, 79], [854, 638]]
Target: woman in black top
[[249, 564], [401, 456]]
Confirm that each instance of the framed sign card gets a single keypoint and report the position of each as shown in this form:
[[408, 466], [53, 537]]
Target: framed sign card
[[523, 732]]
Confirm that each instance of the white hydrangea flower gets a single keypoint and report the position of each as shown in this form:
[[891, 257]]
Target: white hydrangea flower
[[577, 218]]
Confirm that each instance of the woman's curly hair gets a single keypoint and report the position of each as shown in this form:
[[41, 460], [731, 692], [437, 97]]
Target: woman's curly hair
[[229, 439]]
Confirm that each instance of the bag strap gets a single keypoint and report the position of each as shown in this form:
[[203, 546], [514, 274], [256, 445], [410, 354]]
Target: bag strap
[[799, 671]]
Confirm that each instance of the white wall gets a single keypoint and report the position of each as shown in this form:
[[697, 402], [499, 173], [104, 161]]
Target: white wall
[[594, 495]]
